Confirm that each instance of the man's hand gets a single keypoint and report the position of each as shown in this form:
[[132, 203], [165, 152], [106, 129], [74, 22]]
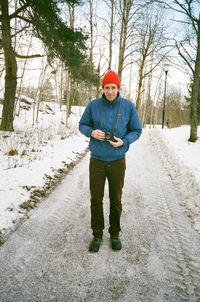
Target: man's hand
[[98, 134], [119, 142]]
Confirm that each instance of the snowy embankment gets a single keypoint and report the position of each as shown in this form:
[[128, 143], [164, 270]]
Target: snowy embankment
[[33, 160], [182, 161]]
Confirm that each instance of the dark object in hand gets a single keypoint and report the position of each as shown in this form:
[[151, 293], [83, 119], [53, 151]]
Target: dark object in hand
[[109, 137]]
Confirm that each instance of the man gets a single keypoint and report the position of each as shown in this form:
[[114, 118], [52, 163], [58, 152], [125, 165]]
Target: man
[[112, 123]]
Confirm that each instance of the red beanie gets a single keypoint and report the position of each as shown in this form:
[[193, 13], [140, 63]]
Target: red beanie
[[111, 78]]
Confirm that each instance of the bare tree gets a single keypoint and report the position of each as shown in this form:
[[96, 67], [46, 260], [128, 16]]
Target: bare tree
[[189, 51], [152, 47], [189, 8]]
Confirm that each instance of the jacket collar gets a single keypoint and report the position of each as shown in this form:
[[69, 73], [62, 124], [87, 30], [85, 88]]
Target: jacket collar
[[111, 102]]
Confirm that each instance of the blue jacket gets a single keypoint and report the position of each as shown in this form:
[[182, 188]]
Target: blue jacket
[[119, 117]]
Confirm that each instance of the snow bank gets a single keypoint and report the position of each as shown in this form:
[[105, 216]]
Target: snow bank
[[33, 159]]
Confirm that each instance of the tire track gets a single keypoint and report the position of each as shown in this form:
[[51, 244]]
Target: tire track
[[182, 242]]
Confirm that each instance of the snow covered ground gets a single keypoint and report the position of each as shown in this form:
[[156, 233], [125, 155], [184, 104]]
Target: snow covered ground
[[182, 159], [34, 158]]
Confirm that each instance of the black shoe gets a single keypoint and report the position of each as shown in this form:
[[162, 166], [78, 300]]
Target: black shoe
[[95, 244], [116, 243]]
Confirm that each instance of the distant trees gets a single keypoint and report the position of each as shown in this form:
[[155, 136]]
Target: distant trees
[[176, 113], [177, 110]]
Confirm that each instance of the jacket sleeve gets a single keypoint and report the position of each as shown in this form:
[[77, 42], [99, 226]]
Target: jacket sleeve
[[134, 127], [85, 123]]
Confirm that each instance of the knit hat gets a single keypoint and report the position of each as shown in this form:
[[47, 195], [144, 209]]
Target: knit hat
[[111, 77]]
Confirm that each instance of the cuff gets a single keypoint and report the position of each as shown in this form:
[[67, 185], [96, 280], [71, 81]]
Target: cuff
[[89, 132], [125, 142]]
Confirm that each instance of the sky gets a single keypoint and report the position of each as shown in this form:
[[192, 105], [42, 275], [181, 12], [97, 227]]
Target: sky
[[50, 146]]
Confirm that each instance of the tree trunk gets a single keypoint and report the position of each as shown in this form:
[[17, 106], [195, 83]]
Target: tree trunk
[[68, 96], [140, 82], [10, 71], [126, 9], [198, 108], [91, 30], [98, 84], [195, 93], [112, 4], [71, 15]]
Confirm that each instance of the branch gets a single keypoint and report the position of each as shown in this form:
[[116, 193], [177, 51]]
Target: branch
[[180, 66], [28, 57], [184, 58], [167, 5], [19, 10], [188, 12], [19, 31], [179, 21], [192, 60], [24, 19], [151, 69], [157, 64]]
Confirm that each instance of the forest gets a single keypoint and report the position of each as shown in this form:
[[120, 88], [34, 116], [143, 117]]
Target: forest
[[57, 51]]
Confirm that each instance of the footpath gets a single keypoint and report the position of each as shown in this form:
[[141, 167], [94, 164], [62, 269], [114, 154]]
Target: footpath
[[47, 259]]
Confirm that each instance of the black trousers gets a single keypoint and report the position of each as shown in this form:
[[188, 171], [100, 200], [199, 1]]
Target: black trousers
[[114, 172]]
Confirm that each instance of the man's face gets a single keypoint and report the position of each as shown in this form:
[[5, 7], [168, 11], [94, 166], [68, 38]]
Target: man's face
[[110, 91]]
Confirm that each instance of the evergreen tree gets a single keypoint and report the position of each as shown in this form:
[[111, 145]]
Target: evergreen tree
[[60, 40]]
